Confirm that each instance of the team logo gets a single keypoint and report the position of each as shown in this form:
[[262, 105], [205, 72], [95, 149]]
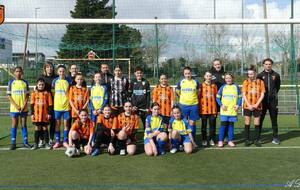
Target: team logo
[[2, 14], [273, 77], [263, 77], [143, 83]]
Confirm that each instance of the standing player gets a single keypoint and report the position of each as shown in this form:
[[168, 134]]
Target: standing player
[[180, 132], [155, 137], [82, 132], [127, 126], [61, 105], [253, 94], [78, 96], [41, 109], [229, 99], [73, 71], [119, 87], [98, 98], [18, 95], [208, 108], [270, 102], [48, 76], [188, 89], [140, 95], [163, 94], [105, 134]]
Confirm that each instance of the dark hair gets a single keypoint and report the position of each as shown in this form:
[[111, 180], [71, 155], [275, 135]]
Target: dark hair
[[127, 102], [82, 110], [97, 73], [40, 80], [176, 107], [207, 72], [78, 74], [187, 68], [230, 74], [217, 59], [18, 67], [252, 68], [163, 74], [118, 66], [268, 59], [139, 69], [61, 66], [154, 104], [107, 106]]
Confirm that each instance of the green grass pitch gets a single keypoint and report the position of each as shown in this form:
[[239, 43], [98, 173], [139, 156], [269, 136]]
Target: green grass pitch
[[269, 167]]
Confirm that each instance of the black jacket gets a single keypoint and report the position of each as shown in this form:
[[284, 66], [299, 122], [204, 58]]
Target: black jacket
[[218, 76], [272, 84], [140, 91], [48, 81]]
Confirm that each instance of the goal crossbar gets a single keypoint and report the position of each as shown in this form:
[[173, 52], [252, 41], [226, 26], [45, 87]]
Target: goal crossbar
[[149, 21]]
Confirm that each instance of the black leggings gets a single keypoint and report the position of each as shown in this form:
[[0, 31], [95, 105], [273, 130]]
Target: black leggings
[[212, 127]]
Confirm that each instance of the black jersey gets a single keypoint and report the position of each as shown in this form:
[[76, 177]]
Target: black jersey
[[140, 93]]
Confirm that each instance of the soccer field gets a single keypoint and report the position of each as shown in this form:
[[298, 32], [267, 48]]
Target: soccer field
[[269, 167]]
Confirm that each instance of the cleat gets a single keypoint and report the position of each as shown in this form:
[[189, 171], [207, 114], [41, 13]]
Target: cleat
[[48, 146], [257, 143], [276, 141], [96, 152], [204, 143], [220, 144], [247, 143], [56, 145], [173, 150], [231, 144], [122, 152], [35, 147], [13, 147], [211, 143], [27, 146]]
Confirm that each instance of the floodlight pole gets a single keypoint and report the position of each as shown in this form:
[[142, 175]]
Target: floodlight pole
[[293, 62], [243, 57], [157, 49], [114, 34]]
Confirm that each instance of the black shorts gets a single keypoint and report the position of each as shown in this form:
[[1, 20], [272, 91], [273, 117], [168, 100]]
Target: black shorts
[[40, 124], [83, 142], [255, 113]]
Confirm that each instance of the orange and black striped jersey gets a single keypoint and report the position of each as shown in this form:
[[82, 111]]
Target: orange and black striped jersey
[[40, 103], [109, 123], [164, 96], [78, 96], [207, 97], [130, 122], [84, 130], [253, 90]]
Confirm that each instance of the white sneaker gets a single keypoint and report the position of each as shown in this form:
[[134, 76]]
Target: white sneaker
[[122, 152], [41, 144], [211, 143], [173, 150], [204, 143]]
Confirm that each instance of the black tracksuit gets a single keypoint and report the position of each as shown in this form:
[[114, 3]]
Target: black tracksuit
[[270, 102], [140, 97]]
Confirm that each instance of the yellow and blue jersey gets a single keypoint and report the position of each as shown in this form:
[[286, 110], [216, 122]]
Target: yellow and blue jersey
[[154, 123], [229, 96], [18, 90], [61, 94], [182, 126], [188, 92], [98, 97]]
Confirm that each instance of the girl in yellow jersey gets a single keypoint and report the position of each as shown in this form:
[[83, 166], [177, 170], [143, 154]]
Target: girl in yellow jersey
[[18, 95], [155, 137], [98, 98], [187, 90], [180, 132], [229, 99]]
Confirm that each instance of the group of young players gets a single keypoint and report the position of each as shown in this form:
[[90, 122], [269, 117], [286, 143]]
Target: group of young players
[[117, 106]]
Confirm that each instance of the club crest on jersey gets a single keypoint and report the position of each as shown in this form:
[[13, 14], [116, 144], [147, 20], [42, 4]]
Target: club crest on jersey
[[273, 77]]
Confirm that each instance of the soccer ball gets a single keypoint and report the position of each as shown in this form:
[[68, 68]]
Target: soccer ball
[[72, 152]]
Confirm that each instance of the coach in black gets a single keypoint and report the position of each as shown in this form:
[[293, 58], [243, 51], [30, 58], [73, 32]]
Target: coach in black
[[270, 101]]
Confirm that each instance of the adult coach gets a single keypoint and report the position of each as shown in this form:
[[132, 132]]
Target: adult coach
[[217, 72], [270, 102], [106, 76]]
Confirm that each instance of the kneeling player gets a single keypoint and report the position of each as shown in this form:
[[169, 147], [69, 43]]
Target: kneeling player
[[128, 124], [104, 132], [180, 131], [82, 132], [155, 136]]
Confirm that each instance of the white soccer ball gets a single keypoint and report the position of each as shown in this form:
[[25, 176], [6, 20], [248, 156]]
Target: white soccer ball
[[71, 152]]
